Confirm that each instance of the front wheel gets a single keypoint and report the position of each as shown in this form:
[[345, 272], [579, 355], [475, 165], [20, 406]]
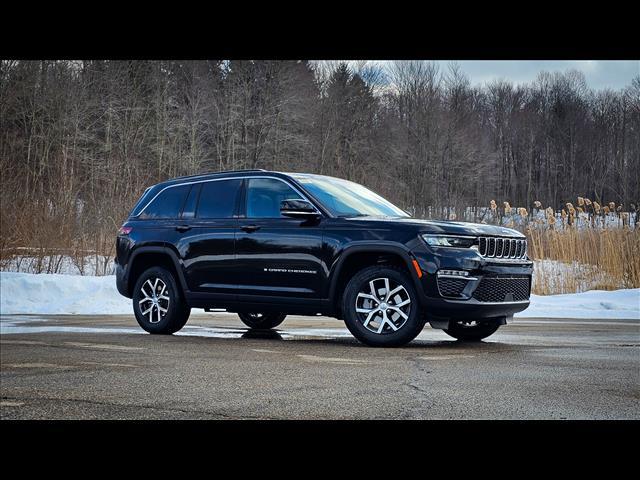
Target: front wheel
[[471, 330], [380, 307], [262, 321]]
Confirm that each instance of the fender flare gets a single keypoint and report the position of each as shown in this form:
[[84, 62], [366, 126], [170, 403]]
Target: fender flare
[[377, 247], [163, 251]]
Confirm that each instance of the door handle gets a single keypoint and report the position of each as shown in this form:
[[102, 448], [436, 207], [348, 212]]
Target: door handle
[[183, 228], [250, 228]]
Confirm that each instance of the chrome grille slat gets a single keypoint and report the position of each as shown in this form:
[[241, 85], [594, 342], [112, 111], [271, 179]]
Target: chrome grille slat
[[482, 246], [498, 247], [491, 252]]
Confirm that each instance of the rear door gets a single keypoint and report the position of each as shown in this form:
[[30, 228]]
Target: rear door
[[278, 258], [205, 236]]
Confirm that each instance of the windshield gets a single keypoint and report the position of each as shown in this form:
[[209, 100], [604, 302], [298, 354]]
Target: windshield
[[348, 199]]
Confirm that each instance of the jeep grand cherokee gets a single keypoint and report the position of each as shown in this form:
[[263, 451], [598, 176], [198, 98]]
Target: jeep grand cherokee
[[269, 244]]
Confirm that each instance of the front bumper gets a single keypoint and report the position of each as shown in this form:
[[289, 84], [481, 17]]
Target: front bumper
[[471, 309], [466, 306]]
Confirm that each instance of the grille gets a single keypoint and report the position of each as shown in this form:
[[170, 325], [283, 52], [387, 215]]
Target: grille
[[503, 289], [496, 247], [451, 287]]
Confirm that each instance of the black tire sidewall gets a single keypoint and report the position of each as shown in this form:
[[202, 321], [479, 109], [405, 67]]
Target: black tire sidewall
[[178, 313], [412, 327], [269, 320]]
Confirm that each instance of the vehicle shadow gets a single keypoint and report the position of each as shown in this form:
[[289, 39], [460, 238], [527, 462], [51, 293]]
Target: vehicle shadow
[[288, 336], [255, 333]]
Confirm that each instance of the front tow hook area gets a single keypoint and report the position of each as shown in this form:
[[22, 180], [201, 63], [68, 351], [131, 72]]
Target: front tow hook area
[[443, 323]]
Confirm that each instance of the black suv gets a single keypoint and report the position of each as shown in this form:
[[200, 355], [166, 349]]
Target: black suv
[[266, 244]]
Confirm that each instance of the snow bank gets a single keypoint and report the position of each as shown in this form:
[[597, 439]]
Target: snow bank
[[60, 294], [616, 304], [24, 293]]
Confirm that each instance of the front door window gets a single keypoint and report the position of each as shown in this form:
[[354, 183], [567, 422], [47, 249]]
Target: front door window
[[264, 196]]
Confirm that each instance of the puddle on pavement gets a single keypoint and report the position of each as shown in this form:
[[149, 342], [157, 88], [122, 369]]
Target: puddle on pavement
[[25, 324], [35, 324]]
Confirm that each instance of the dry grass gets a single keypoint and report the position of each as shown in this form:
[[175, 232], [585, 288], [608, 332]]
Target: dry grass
[[584, 259], [582, 246]]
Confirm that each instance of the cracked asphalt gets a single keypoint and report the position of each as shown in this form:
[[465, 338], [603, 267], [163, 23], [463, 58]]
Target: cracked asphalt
[[106, 367]]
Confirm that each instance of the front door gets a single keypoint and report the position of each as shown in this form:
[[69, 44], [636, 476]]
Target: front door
[[278, 258]]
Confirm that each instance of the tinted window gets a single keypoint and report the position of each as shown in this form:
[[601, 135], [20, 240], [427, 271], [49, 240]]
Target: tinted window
[[168, 204], [264, 196], [144, 199], [189, 210], [218, 199]]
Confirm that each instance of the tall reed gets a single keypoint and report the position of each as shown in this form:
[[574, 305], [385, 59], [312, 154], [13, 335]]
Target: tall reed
[[573, 260]]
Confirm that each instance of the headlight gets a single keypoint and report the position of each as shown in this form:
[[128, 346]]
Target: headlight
[[458, 241]]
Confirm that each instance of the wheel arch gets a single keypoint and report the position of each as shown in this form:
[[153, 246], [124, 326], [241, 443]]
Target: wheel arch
[[357, 256], [143, 258]]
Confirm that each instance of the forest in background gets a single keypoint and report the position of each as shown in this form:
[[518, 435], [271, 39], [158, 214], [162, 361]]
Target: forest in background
[[81, 140]]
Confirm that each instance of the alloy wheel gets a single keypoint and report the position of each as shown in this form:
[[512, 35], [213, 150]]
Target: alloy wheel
[[383, 306], [155, 301]]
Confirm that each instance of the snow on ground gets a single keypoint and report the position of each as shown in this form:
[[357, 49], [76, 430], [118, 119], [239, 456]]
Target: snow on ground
[[616, 304], [60, 294], [25, 293]]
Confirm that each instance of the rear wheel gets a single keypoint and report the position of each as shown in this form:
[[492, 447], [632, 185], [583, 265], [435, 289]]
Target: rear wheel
[[262, 321], [157, 302], [471, 330], [380, 307]]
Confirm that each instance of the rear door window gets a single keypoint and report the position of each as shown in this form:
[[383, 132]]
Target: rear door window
[[168, 204], [218, 199]]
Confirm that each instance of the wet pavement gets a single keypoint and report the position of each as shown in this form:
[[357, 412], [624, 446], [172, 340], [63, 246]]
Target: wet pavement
[[106, 367]]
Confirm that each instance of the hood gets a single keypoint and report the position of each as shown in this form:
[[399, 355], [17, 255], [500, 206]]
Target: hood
[[446, 227]]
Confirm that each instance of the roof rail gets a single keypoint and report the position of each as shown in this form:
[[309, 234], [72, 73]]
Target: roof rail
[[216, 173]]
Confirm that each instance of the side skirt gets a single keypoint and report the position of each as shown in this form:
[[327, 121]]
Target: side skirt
[[257, 303]]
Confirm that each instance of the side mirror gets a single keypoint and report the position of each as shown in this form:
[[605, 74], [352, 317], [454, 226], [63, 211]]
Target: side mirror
[[301, 209]]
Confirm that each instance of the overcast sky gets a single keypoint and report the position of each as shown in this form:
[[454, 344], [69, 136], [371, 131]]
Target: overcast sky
[[599, 74]]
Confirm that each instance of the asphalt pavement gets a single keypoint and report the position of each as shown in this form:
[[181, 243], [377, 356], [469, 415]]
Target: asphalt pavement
[[106, 367]]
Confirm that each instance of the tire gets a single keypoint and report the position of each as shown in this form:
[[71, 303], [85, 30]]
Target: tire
[[168, 297], [262, 321], [471, 331], [367, 318]]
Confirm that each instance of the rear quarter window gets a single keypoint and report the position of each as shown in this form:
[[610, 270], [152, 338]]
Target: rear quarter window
[[144, 199], [168, 204]]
